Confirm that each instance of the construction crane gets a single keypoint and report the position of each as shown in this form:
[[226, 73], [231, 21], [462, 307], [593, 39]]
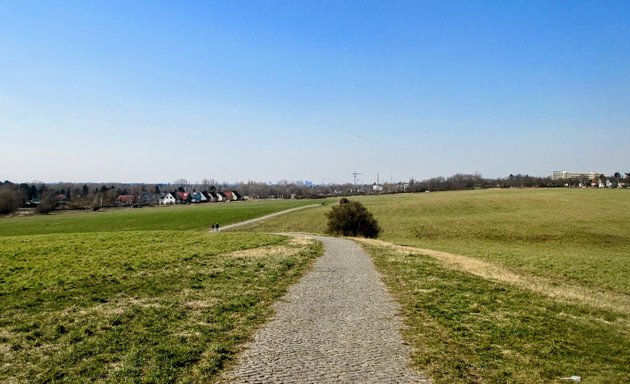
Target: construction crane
[[355, 174]]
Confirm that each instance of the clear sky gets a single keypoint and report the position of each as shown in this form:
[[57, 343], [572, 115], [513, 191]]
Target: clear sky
[[154, 91]]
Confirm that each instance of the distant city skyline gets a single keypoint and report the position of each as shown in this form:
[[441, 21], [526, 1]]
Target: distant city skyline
[[151, 92]]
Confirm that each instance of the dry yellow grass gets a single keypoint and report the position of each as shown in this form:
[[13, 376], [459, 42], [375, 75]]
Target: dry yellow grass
[[293, 247], [265, 252], [561, 291]]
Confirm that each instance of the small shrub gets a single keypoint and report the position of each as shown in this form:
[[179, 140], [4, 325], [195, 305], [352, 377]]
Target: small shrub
[[8, 201], [351, 218]]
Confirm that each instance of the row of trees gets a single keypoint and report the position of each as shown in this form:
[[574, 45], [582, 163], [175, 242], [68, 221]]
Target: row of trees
[[46, 197], [473, 181]]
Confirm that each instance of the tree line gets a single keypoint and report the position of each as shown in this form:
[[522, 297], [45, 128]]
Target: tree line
[[46, 197]]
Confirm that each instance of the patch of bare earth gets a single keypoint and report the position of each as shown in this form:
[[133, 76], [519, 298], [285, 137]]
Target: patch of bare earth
[[265, 251], [294, 246], [301, 240], [541, 285], [200, 304]]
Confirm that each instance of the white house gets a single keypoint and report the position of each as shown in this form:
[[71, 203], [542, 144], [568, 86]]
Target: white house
[[166, 198]]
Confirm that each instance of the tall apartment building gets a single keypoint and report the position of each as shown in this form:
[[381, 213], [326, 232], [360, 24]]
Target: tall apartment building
[[566, 175]]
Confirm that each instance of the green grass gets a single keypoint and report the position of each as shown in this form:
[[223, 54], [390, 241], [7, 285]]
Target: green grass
[[466, 329], [136, 306], [569, 250], [310, 220], [183, 217], [147, 296], [578, 236], [575, 236]]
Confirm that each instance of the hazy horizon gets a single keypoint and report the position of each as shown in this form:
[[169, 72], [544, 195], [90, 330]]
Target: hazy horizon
[[151, 92]]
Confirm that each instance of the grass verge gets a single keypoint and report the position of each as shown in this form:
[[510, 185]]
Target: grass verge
[[465, 328]]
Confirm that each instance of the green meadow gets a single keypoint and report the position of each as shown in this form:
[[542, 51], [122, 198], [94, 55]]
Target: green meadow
[[168, 218], [138, 295], [505, 285], [495, 285]]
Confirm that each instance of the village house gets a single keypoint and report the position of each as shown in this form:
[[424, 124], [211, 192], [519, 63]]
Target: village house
[[212, 197], [124, 200], [198, 197], [146, 198], [184, 198], [166, 198]]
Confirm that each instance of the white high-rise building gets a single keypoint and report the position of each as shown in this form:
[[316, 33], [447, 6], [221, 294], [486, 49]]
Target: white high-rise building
[[566, 175]]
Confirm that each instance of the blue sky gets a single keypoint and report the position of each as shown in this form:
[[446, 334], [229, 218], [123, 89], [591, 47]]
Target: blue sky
[[311, 90]]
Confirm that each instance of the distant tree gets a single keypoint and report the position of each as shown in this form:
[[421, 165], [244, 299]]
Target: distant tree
[[616, 178], [8, 200], [206, 183], [32, 192], [97, 202], [156, 189], [24, 193], [351, 218], [47, 203]]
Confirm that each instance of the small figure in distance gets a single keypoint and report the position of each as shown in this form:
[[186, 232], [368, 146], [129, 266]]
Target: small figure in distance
[[217, 226], [214, 228]]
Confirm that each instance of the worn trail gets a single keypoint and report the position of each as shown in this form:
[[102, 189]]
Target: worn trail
[[246, 222], [338, 325]]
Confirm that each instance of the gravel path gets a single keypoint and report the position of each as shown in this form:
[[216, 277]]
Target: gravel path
[[239, 224], [338, 325]]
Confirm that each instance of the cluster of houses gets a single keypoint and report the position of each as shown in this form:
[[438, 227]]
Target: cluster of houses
[[178, 197], [591, 179]]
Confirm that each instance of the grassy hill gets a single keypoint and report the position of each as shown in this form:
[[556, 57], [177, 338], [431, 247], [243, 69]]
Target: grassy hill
[[179, 217], [137, 295], [505, 285]]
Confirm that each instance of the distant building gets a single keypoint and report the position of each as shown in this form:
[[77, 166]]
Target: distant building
[[199, 197], [184, 197], [166, 198], [566, 175], [124, 200]]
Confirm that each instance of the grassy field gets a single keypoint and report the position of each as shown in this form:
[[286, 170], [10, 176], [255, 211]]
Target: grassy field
[[529, 286], [94, 301], [181, 217]]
